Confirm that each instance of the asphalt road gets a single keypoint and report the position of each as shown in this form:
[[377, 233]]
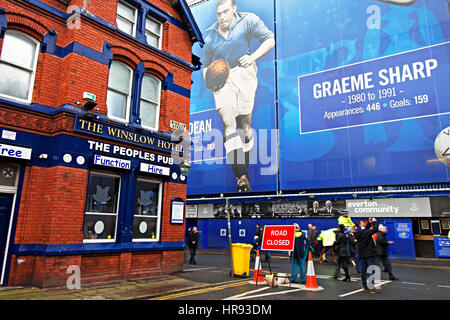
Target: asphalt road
[[417, 281]]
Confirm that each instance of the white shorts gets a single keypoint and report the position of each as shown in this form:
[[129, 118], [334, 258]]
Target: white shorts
[[238, 94]]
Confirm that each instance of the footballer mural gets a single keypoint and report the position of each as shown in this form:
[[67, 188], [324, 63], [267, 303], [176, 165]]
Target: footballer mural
[[336, 93], [235, 92]]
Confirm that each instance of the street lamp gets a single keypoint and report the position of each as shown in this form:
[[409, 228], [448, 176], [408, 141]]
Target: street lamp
[[185, 167]]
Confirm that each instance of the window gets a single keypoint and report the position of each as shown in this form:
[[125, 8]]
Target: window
[[424, 224], [18, 66], [147, 210], [9, 174], [102, 205], [150, 96], [126, 18], [445, 224], [153, 32], [119, 91]]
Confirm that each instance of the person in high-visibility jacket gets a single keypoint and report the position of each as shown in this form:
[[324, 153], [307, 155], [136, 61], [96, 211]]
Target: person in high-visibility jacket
[[298, 256], [345, 220], [327, 237]]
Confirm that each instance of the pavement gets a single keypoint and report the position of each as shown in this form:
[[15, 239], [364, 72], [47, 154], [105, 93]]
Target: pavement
[[162, 285]]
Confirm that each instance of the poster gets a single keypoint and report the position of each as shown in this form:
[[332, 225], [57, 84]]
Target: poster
[[442, 247], [363, 96], [353, 93], [403, 231], [233, 129], [273, 209], [389, 207]]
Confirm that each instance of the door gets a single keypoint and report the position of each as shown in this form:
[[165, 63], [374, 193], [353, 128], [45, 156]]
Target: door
[[6, 201]]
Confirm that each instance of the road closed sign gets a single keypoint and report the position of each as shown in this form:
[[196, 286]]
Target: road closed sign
[[278, 238]]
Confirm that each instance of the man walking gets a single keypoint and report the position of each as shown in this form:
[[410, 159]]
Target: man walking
[[353, 250], [229, 39], [382, 251], [342, 253], [313, 233], [192, 243], [367, 251]]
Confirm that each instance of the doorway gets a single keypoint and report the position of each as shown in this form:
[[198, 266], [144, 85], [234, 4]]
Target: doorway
[[6, 204]]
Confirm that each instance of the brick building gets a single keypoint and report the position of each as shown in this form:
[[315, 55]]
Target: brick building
[[90, 92]]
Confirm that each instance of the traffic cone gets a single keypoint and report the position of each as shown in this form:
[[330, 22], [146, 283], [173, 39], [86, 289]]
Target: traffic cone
[[257, 272], [311, 282]]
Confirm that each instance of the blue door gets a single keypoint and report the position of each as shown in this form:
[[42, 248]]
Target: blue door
[[6, 201]]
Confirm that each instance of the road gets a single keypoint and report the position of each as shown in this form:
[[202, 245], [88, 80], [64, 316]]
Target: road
[[418, 280]]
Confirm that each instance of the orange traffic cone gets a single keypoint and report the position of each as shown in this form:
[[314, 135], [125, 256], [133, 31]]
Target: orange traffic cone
[[311, 282], [257, 272]]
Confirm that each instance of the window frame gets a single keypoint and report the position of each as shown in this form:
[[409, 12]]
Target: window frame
[[160, 35], [112, 175], [129, 94], [33, 71], [158, 103], [159, 210], [124, 3]]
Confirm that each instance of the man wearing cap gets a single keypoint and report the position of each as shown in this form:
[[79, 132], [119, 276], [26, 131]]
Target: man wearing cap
[[345, 220], [298, 256]]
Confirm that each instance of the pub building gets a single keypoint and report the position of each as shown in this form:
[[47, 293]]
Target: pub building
[[92, 173]]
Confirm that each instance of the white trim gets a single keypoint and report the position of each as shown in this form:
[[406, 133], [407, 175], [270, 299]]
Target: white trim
[[8, 237], [33, 71], [133, 32], [9, 190], [128, 104], [158, 103], [159, 211], [160, 35], [100, 173]]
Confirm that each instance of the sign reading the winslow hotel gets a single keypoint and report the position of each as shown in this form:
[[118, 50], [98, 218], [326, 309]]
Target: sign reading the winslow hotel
[[111, 131]]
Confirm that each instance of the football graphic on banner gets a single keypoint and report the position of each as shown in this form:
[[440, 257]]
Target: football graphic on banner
[[442, 146]]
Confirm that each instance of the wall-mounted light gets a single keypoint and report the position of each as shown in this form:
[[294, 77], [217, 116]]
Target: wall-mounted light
[[89, 105], [185, 167]]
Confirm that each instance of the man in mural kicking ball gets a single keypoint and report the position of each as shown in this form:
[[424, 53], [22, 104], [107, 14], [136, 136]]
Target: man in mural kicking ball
[[230, 72]]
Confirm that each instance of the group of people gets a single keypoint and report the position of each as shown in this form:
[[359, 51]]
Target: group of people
[[362, 244]]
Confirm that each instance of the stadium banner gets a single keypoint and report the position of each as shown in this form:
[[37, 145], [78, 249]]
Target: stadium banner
[[389, 207], [398, 87], [320, 94], [233, 129], [363, 95]]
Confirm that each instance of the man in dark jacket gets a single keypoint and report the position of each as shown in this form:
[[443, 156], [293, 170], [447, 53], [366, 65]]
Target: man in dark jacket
[[340, 246], [382, 251], [192, 243], [313, 233], [260, 234], [298, 256], [367, 251], [353, 248]]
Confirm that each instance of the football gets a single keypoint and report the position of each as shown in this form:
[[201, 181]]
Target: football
[[442, 146]]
